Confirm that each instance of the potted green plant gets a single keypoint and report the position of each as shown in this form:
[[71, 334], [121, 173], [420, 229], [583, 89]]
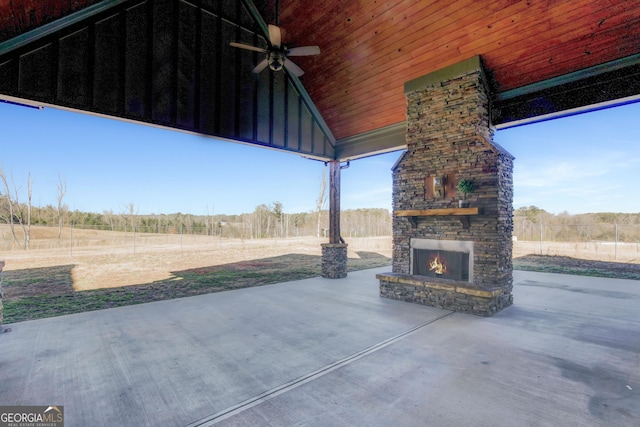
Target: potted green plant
[[464, 186]]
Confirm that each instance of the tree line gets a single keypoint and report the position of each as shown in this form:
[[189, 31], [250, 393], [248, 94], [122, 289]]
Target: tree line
[[270, 221], [534, 223], [266, 221]]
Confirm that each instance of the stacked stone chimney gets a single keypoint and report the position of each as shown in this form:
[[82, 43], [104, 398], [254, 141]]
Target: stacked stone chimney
[[449, 136]]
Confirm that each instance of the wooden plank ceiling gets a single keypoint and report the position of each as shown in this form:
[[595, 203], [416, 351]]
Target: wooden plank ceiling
[[371, 48]]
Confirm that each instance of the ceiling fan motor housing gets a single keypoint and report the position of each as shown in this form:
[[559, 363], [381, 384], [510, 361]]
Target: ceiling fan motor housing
[[276, 60]]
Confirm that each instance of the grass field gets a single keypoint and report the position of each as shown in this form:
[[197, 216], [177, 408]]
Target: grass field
[[105, 269]]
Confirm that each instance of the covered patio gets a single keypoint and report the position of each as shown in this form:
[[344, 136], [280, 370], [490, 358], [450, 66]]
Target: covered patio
[[432, 78], [300, 353], [320, 351]]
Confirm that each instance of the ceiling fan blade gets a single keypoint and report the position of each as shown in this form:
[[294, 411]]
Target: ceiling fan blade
[[293, 68], [248, 47], [274, 36], [261, 66], [304, 51]]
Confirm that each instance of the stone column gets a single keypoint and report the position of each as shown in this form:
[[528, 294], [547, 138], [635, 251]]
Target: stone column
[[334, 260]]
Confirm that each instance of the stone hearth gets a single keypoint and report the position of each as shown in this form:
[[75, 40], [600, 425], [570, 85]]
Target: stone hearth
[[448, 139]]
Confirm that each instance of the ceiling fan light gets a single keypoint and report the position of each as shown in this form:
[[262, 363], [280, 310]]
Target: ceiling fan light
[[276, 61]]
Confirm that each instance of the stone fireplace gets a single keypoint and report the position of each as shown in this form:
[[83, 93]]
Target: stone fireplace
[[457, 258]]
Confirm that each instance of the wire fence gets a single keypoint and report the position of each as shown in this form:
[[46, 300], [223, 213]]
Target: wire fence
[[606, 242], [74, 238]]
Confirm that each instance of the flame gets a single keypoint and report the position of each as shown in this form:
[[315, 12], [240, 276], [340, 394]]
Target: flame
[[437, 267]]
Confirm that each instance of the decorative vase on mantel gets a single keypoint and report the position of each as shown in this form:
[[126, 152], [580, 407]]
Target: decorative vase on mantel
[[464, 186]]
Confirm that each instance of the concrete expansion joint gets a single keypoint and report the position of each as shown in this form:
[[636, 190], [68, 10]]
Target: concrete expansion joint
[[284, 388]]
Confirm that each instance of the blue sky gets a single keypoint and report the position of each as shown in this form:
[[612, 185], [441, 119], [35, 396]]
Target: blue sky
[[582, 163]]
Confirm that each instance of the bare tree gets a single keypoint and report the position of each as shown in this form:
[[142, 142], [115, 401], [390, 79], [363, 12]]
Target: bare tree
[[208, 222], [262, 221], [188, 222], [322, 199], [15, 214], [10, 216], [109, 218], [129, 215], [62, 190], [278, 214], [27, 234]]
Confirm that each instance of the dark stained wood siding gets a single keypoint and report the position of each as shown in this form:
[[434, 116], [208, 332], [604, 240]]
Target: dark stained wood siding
[[167, 63]]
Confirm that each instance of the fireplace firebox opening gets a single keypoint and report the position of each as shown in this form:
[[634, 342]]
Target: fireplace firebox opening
[[442, 259]]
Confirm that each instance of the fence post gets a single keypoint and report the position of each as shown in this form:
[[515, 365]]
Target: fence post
[[133, 227], [540, 238], [615, 256], [71, 240]]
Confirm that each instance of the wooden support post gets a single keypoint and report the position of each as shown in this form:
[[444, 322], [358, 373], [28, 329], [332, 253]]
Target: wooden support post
[[334, 202], [334, 253]]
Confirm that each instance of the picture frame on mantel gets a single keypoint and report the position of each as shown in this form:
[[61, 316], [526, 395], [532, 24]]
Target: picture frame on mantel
[[447, 190]]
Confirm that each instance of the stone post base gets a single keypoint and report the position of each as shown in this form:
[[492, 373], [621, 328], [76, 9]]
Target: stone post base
[[334, 260]]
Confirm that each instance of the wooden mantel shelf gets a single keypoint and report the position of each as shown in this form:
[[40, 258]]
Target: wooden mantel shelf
[[463, 213], [441, 212]]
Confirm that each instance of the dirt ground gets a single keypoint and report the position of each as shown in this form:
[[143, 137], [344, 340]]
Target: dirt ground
[[111, 272], [106, 266], [102, 269], [105, 259], [622, 252], [577, 266]]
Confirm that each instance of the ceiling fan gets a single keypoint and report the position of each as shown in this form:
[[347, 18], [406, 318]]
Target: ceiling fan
[[277, 54]]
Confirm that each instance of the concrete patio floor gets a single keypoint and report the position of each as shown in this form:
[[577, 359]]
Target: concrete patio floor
[[323, 352]]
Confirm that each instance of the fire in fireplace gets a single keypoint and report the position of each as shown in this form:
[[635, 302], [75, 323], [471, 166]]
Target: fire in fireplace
[[438, 268], [443, 259]]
